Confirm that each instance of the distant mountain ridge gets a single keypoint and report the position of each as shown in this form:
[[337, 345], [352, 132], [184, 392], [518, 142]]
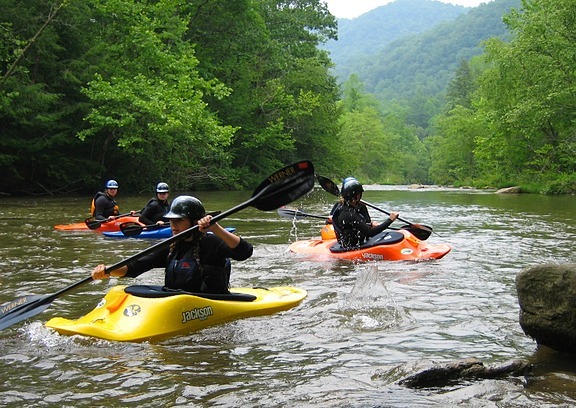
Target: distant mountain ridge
[[367, 33], [418, 64]]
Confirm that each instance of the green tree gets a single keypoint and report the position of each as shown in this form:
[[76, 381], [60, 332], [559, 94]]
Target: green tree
[[283, 99], [527, 98], [455, 132], [375, 146], [453, 145], [147, 94], [207, 94], [459, 91], [41, 107]]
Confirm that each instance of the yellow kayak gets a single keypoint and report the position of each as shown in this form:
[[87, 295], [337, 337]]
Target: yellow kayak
[[150, 313]]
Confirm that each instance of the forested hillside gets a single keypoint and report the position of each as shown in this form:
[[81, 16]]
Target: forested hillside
[[363, 37], [217, 94], [414, 69], [510, 115], [424, 64], [485, 100], [201, 94]]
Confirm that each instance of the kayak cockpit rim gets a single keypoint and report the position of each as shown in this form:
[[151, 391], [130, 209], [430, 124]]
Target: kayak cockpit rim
[[156, 291], [383, 238]]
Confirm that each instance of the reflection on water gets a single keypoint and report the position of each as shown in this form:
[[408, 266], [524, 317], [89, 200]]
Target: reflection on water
[[363, 326]]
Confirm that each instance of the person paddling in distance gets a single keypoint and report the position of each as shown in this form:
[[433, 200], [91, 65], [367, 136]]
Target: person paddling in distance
[[104, 206], [157, 207], [361, 207], [199, 263], [350, 224]]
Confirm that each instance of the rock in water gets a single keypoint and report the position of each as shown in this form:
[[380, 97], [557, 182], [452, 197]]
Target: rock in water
[[469, 369], [547, 298]]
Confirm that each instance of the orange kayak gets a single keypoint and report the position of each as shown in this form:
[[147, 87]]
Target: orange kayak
[[113, 225], [398, 245]]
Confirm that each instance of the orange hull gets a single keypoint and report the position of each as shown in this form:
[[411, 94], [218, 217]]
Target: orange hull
[[105, 226], [391, 246]]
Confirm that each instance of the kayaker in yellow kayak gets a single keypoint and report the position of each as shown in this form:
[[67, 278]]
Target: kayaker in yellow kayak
[[199, 263], [350, 225]]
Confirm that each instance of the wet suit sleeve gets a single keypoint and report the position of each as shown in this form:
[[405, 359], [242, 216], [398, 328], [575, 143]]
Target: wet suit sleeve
[[156, 259], [370, 231], [215, 251], [100, 205], [242, 252], [151, 214], [357, 222]]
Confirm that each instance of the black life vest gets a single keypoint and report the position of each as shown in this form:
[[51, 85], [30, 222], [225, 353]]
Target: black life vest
[[184, 272]]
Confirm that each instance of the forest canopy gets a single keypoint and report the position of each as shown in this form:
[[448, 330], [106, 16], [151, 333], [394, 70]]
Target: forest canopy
[[201, 94], [216, 94], [511, 116]]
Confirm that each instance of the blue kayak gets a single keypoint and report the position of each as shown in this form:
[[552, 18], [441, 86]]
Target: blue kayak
[[153, 233]]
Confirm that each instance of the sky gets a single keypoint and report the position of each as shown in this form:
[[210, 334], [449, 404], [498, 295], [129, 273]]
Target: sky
[[355, 8]]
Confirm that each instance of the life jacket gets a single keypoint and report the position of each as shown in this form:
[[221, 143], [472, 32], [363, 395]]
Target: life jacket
[[345, 220], [93, 204], [187, 274]]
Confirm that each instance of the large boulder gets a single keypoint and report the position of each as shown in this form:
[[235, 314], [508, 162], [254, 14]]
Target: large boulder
[[547, 298]]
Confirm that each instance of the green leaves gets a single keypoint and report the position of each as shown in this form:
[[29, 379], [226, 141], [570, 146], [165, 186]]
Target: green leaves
[[534, 94]]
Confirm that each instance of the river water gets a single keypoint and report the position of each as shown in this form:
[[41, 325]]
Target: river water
[[362, 328]]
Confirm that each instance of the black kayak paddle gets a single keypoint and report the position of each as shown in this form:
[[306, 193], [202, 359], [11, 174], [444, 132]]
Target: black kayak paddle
[[95, 224], [290, 213], [133, 229]]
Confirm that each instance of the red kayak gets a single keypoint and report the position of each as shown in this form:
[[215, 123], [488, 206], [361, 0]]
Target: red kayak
[[399, 245], [113, 225]]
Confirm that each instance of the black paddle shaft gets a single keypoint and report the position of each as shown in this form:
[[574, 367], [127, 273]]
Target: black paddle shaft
[[95, 224], [289, 213], [281, 188]]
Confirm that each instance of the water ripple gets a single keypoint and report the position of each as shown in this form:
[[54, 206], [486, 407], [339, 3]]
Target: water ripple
[[362, 327]]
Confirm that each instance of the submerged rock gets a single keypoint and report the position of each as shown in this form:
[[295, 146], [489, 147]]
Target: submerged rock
[[547, 298], [509, 190], [471, 368]]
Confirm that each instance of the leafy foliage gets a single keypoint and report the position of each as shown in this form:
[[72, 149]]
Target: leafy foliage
[[219, 93], [207, 94], [414, 70], [379, 147], [521, 126], [147, 95]]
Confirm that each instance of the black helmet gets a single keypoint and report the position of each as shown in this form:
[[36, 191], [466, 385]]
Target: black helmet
[[111, 184], [351, 188], [162, 188], [186, 207], [347, 179]]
